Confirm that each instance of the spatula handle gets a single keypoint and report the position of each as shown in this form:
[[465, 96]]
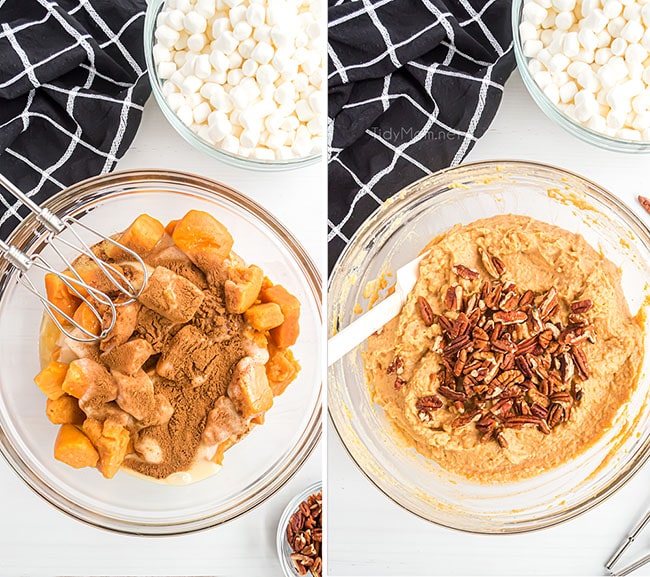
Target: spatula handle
[[358, 331]]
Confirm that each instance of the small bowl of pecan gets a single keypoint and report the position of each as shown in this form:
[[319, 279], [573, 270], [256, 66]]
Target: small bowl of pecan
[[300, 534]]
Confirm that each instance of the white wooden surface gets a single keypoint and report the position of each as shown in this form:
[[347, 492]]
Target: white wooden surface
[[36, 539], [370, 535]]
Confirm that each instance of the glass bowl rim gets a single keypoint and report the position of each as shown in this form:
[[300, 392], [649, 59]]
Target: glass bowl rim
[[401, 199], [27, 232], [255, 164], [289, 509], [551, 110]]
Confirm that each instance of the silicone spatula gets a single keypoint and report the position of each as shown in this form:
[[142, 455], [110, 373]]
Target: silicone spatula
[[359, 330]]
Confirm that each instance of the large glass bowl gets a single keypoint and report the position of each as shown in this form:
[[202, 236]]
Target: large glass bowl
[[393, 236], [253, 469], [154, 7], [553, 112]]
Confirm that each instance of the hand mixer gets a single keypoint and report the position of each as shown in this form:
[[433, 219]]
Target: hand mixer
[[91, 296]]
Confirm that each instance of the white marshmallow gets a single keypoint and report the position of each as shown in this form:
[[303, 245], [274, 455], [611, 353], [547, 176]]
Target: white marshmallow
[[219, 61], [262, 53], [595, 21], [174, 19], [226, 43], [237, 15], [612, 8], [202, 67], [201, 112], [249, 67], [219, 26], [571, 44], [255, 15], [235, 60], [615, 26], [166, 36], [235, 76], [166, 69], [558, 63], [267, 74], [568, 91], [205, 8], [222, 102], [242, 30], [246, 47], [635, 54], [632, 31], [534, 13], [175, 101], [564, 20], [190, 85], [603, 55], [263, 34], [185, 115], [194, 23]]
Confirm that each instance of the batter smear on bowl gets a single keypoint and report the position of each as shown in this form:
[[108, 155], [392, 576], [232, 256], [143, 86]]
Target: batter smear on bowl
[[513, 353], [188, 370]]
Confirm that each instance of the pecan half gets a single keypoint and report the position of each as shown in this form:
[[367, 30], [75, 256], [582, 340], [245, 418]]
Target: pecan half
[[510, 317], [426, 406], [425, 311]]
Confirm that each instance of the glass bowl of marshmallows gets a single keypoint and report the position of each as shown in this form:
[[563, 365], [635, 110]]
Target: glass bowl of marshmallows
[[587, 65], [240, 80]]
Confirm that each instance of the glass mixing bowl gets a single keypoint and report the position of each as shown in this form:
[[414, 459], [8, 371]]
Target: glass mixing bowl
[[393, 236], [154, 7], [253, 469], [553, 112]]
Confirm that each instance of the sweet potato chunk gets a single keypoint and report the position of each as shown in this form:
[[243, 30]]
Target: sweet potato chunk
[[87, 319], [111, 441], [74, 448], [64, 410], [91, 273], [281, 369], [199, 233], [171, 226], [59, 295], [221, 449], [242, 288], [287, 333], [129, 357], [50, 379], [249, 388], [143, 234], [264, 316], [126, 318]]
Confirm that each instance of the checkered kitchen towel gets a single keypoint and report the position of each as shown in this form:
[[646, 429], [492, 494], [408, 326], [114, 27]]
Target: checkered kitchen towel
[[412, 85], [72, 86]]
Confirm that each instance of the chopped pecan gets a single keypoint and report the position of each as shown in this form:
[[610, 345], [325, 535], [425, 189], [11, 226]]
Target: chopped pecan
[[510, 317], [501, 439], [549, 303], [581, 362], [456, 345], [399, 383], [426, 406], [555, 415], [451, 394], [425, 311], [465, 419], [526, 299], [395, 366], [581, 306], [465, 272]]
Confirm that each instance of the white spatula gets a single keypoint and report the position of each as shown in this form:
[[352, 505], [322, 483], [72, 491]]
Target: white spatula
[[358, 331]]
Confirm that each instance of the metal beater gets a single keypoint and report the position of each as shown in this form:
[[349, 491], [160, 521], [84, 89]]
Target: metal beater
[[93, 297]]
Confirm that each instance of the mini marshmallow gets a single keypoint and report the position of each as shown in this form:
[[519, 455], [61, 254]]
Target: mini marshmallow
[[205, 8], [226, 43], [202, 67], [595, 21], [174, 19], [619, 45], [534, 13], [222, 101], [194, 23], [564, 5], [615, 26], [166, 36], [568, 91], [632, 32], [267, 74], [558, 63], [589, 81], [263, 34], [249, 67], [219, 26], [201, 112], [185, 115], [281, 36], [564, 20], [235, 76], [543, 79], [603, 55], [190, 85], [175, 101], [219, 61], [246, 47], [161, 54], [255, 15], [612, 8], [235, 60], [237, 15], [196, 42], [242, 30], [628, 134], [635, 54], [571, 44], [249, 138], [166, 69], [263, 53]]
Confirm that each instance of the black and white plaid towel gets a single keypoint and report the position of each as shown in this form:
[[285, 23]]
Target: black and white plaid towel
[[73, 83], [412, 85]]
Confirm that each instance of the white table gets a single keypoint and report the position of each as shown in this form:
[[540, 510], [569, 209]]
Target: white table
[[370, 535], [35, 539]]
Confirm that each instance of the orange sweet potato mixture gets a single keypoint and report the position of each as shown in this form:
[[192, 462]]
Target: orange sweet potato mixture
[[206, 327]]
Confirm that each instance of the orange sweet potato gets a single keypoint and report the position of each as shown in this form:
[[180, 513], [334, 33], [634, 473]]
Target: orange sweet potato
[[171, 226], [112, 443], [59, 295], [199, 234], [74, 448], [87, 319], [76, 382], [287, 333], [242, 288], [143, 234], [264, 317], [64, 410], [281, 369], [50, 379], [93, 275], [221, 449]]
